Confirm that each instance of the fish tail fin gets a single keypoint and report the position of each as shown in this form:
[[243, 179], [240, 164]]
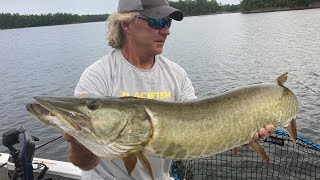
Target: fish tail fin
[[282, 79]]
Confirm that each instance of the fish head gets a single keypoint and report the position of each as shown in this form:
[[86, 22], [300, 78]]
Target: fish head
[[96, 119]]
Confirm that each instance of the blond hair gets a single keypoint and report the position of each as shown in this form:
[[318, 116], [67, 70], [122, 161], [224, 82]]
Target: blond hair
[[115, 33]]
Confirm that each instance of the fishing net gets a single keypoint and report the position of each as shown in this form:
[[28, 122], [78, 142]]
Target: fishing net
[[287, 161]]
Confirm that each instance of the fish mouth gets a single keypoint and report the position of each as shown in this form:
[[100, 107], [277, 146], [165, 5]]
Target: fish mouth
[[46, 116], [57, 112], [40, 112]]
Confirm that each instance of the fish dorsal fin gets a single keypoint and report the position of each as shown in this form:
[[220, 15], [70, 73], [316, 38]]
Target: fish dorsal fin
[[130, 163], [282, 79]]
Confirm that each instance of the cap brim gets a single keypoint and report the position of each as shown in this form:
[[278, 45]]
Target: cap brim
[[163, 11]]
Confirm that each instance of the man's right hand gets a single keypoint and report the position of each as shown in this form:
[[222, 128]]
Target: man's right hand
[[79, 155]]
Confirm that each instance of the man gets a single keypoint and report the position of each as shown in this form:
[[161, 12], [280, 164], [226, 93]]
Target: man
[[135, 68]]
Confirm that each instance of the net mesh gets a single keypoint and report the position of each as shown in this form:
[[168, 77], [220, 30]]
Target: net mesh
[[287, 161]]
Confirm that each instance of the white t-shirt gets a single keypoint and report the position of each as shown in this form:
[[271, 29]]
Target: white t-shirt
[[113, 75]]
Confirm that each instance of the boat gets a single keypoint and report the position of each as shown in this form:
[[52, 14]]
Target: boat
[[58, 170]]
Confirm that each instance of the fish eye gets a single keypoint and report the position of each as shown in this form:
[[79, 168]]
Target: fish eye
[[93, 105]]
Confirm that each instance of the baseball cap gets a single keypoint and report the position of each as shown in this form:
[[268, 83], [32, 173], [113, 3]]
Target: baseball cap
[[155, 9]]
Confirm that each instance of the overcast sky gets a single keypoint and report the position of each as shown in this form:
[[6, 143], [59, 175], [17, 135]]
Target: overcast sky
[[67, 6]]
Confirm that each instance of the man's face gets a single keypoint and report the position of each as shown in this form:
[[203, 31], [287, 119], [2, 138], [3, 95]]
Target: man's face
[[147, 39]]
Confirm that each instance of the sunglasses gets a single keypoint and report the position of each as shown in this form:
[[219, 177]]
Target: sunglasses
[[157, 23]]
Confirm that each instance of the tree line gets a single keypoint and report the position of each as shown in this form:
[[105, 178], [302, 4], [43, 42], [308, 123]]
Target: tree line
[[270, 5], [201, 7], [8, 20]]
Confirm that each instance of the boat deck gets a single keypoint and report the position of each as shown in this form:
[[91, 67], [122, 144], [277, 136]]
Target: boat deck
[[58, 170]]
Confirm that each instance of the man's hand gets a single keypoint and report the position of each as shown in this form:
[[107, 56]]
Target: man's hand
[[79, 155], [264, 132]]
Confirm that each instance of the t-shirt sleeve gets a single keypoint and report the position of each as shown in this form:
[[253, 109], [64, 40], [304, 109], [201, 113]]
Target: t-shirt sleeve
[[187, 90], [94, 81]]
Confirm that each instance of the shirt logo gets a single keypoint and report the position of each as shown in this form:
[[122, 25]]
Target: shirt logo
[[148, 95]]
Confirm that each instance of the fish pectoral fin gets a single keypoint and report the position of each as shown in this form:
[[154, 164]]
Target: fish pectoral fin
[[235, 151], [130, 163], [145, 163], [292, 130], [260, 150]]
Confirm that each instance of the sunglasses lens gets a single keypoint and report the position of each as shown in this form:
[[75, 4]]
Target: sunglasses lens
[[159, 23]]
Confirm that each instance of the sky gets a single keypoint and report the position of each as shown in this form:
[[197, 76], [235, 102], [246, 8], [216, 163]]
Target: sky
[[67, 6]]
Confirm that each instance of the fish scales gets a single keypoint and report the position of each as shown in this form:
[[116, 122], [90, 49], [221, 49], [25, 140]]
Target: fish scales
[[207, 126]]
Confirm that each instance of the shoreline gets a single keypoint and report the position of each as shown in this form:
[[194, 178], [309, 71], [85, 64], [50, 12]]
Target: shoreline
[[215, 13], [281, 9]]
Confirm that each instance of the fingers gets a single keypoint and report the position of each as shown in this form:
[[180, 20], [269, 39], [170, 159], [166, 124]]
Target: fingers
[[73, 142], [264, 132], [82, 157], [270, 128], [79, 155], [67, 137], [256, 136]]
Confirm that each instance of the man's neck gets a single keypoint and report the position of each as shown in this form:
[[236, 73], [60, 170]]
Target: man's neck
[[138, 58]]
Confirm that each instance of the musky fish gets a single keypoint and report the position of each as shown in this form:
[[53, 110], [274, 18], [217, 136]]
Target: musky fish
[[129, 128]]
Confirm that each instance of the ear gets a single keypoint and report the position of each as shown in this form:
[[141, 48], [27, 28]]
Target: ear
[[126, 26]]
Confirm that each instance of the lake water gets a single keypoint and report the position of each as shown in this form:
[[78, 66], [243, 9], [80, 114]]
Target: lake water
[[218, 52]]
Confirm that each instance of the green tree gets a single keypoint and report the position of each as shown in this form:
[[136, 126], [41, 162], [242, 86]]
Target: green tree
[[8, 20]]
